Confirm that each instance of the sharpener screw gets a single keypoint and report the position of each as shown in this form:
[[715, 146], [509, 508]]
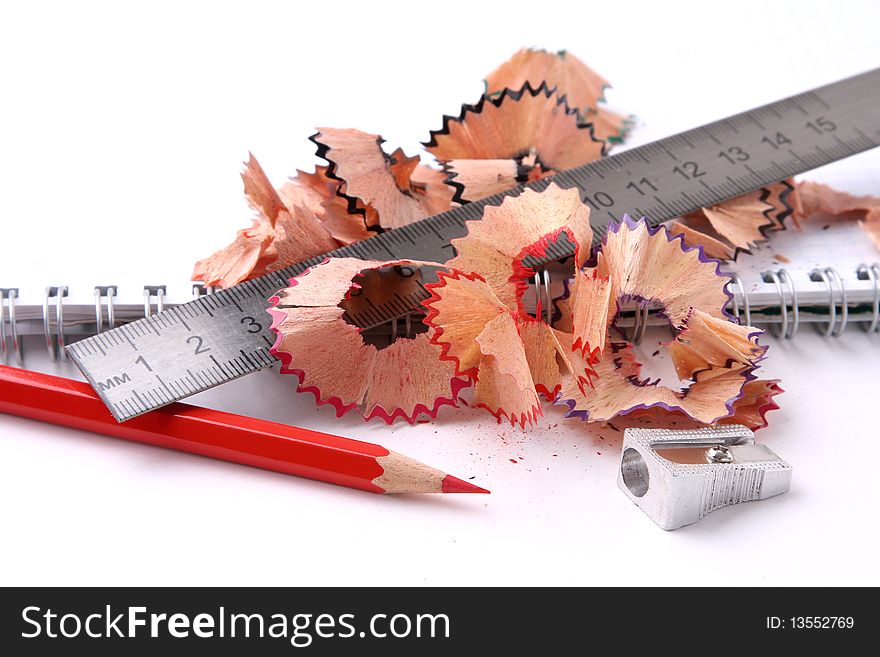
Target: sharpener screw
[[719, 454]]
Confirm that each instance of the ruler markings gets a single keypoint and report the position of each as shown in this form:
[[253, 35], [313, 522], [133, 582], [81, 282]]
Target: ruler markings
[[779, 170], [140, 400], [250, 361], [128, 338], [243, 365], [105, 342], [870, 142], [179, 314], [799, 107], [188, 309], [159, 393], [233, 365], [268, 358], [163, 384], [193, 378], [799, 158], [185, 386], [217, 365], [128, 406]]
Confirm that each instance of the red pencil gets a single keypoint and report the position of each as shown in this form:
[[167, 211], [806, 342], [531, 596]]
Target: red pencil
[[225, 436]]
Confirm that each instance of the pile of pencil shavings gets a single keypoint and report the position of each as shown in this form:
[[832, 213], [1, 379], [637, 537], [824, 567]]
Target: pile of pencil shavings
[[541, 113]]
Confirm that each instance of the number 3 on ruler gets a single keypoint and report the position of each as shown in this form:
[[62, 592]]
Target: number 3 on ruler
[[253, 326]]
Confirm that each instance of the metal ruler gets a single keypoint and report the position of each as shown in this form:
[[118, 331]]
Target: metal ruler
[[216, 338]]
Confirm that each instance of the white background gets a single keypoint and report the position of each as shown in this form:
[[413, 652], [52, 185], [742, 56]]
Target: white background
[[122, 129]]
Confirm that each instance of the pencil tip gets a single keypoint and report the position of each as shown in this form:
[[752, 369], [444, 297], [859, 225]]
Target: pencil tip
[[455, 485]]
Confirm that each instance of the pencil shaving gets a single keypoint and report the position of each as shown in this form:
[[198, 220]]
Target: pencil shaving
[[476, 179], [317, 193], [477, 334], [476, 312], [526, 135], [619, 390], [749, 410], [280, 236], [308, 190], [582, 85], [510, 356], [816, 198], [712, 354], [648, 264], [517, 136], [706, 341], [334, 363], [590, 301], [609, 126], [397, 187], [504, 384], [739, 224], [757, 400], [569, 76], [546, 348], [521, 226]]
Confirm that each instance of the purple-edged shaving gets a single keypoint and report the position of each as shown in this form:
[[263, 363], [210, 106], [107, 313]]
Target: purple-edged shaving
[[711, 351]]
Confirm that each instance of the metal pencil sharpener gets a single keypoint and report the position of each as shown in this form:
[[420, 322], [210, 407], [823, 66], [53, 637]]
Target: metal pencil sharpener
[[677, 477]]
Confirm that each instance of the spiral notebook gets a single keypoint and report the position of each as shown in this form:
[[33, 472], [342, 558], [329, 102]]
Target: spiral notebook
[[825, 274]]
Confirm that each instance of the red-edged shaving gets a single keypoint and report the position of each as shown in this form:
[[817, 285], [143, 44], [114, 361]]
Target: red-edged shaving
[[523, 225], [588, 307], [333, 362], [478, 319]]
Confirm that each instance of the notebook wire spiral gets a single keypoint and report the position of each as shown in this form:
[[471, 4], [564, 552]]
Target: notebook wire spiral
[[827, 300]]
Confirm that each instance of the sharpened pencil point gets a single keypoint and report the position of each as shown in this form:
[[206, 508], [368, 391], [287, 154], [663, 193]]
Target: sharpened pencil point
[[455, 485]]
